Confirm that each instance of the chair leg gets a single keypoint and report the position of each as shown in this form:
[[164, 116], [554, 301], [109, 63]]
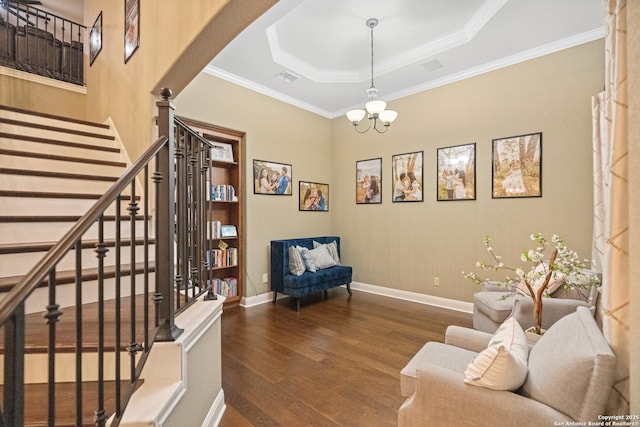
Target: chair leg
[[275, 296], [325, 294], [349, 288]]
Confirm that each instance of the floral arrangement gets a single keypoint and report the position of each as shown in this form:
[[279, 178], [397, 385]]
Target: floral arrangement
[[564, 268]]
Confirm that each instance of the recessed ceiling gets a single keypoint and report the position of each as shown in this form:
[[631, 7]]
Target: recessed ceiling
[[315, 54]]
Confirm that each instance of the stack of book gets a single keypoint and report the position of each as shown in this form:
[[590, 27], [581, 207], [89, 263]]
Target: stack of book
[[224, 192], [227, 287], [218, 258]]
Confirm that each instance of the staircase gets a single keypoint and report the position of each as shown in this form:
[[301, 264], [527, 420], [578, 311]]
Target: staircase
[[52, 170]]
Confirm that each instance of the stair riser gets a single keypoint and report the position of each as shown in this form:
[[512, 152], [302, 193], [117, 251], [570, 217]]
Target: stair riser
[[56, 185], [37, 371], [38, 232], [66, 294], [26, 163], [52, 122], [21, 263], [59, 150], [34, 206]]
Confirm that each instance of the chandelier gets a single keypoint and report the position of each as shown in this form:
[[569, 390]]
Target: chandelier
[[374, 108]]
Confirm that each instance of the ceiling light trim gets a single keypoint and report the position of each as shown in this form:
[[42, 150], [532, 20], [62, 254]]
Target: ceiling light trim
[[417, 55]]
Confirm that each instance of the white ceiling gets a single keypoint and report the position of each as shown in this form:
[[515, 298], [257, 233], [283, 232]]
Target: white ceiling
[[418, 45]]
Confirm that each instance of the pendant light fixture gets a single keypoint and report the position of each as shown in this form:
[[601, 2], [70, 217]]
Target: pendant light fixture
[[374, 109]]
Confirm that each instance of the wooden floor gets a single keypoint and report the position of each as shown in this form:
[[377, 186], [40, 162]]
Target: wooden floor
[[336, 362]]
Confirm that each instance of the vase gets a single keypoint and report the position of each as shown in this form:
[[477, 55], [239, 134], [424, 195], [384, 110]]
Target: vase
[[532, 337]]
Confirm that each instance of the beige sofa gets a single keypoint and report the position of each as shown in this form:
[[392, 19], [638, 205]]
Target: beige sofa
[[570, 374], [495, 304]]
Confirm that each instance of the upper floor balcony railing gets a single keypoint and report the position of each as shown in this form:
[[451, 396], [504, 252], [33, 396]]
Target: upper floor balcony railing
[[40, 42]]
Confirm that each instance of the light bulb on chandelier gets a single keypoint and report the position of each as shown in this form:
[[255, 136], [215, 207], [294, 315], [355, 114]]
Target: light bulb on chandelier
[[374, 109]]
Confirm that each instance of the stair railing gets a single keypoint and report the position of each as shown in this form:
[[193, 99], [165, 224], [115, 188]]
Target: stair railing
[[40, 42], [181, 163]]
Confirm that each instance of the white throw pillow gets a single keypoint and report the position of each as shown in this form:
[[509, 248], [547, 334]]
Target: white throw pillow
[[539, 275], [503, 364], [317, 259], [296, 264], [332, 248]]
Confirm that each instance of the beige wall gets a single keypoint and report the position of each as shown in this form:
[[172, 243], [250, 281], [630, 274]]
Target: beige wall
[[60, 98], [193, 31], [405, 245], [278, 132]]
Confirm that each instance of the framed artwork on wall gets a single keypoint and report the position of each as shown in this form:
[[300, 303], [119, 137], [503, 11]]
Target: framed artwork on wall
[[517, 166], [272, 178], [369, 181], [407, 177], [456, 179], [131, 28], [95, 39], [314, 196], [221, 152]]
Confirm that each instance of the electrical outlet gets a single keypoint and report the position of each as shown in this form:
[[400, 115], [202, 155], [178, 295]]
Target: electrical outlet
[[436, 281], [265, 277]]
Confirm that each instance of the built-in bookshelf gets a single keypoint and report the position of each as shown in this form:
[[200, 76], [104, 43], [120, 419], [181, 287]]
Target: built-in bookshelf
[[224, 243]]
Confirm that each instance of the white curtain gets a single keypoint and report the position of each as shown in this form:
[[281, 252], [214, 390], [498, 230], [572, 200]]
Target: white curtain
[[611, 204]]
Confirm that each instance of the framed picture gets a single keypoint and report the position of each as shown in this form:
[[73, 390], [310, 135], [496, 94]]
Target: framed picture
[[131, 28], [228, 231], [369, 181], [95, 39], [517, 166], [272, 178], [456, 171], [407, 177], [314, 196], [222, 152]]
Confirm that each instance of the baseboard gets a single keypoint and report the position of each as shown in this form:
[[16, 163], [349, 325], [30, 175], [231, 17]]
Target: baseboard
[[214, 416], [465, 307]]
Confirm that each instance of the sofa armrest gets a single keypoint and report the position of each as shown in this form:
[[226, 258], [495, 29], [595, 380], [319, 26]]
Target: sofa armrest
[[441, 393], [469, 339]]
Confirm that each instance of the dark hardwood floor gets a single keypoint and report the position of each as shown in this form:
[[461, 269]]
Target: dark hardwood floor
[[336, 362]]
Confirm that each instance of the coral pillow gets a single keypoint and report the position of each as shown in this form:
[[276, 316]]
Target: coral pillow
[[503, 364]]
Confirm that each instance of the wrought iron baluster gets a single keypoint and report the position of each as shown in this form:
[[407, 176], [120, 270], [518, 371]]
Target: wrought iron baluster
[[134, 346], [13, 408], [146, 256], [101, 250], [118, 301], [79, 341], [52, 315]]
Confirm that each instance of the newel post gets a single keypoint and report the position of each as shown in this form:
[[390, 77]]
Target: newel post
[[164, 177]]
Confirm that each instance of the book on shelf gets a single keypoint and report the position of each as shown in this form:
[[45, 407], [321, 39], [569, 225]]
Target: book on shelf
[[223, 192], [214, 229], [219, 258], [227, 287]]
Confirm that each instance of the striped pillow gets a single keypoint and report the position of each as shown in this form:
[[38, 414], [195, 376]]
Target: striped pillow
[[296, 264]]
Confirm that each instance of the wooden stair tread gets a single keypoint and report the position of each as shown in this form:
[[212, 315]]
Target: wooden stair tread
[[58, 142], [26, 247], [88, 274], [56, 129], [53, 174], [53, 116], [36, 396], [39, 155]]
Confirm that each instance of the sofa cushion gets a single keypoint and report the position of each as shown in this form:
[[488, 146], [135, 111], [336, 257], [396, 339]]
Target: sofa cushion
[[296, 263], [495, 305], [571, 366], [503, 364]]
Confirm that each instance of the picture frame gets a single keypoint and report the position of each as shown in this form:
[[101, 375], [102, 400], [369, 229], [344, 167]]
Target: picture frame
[[314, 196], [369, 181], [95, 39], [456, 173], [517, 166], [222, 152], [274, 184], [131, 28], [407, 177], [228, 231]]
